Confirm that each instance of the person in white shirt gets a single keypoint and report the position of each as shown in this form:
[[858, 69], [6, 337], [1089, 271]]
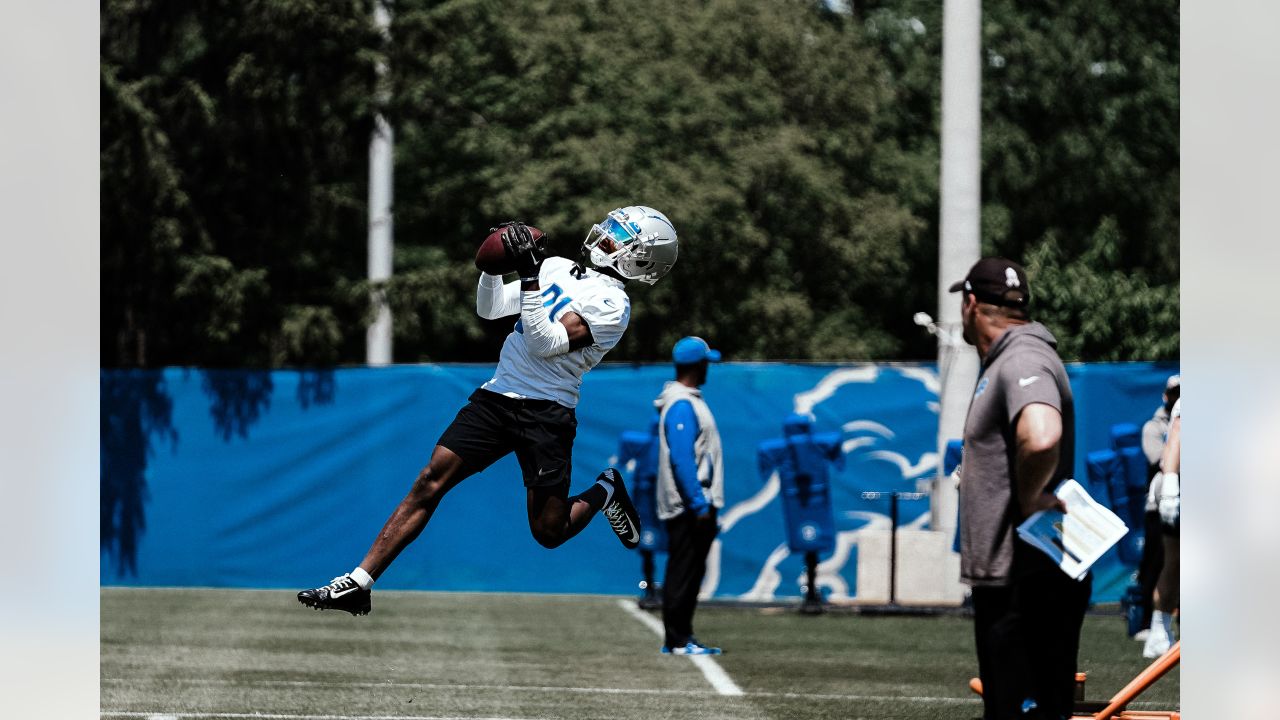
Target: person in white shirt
[[1166, 491], [1154, 432], [570, 315]]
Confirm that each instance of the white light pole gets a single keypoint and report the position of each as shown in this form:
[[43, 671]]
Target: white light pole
[[378, 336], [958, 242]]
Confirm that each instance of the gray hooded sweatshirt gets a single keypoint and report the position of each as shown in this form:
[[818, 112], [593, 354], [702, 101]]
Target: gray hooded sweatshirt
[[707, 452], [1021, 368]]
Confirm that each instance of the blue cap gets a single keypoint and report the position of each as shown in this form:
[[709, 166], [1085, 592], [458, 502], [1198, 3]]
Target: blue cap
[[690, 350]]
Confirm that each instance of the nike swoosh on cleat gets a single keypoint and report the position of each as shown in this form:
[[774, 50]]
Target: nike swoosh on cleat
[[335, 595]]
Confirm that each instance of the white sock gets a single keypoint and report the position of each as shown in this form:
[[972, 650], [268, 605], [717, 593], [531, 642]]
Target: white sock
[[608, 491], [362, 578], [1160, 622]]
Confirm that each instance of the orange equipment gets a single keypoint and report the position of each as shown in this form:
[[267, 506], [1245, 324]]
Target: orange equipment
[[1115, 708]]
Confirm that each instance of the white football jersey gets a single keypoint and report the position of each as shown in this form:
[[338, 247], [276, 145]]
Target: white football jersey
[[603, 305]]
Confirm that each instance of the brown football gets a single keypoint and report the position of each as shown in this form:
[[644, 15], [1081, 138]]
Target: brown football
[[492, 258]]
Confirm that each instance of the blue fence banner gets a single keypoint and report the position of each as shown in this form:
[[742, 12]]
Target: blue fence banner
[[281, 479]]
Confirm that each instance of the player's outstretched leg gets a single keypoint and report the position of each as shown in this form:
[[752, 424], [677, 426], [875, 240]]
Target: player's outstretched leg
[[351, 592], [619, 510]]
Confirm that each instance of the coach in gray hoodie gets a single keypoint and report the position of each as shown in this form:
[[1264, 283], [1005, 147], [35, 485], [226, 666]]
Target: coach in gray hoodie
[[1019, 443]]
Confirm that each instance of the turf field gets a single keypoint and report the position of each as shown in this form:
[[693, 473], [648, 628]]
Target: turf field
[[169, 653]]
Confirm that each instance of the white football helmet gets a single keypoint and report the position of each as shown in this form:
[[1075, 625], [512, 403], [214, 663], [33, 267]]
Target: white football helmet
[[645, 242]]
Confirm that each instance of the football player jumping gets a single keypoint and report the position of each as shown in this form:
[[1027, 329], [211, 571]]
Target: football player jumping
[[570, 316]]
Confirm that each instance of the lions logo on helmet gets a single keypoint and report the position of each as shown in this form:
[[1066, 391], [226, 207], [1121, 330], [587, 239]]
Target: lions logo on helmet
[[644, 241]]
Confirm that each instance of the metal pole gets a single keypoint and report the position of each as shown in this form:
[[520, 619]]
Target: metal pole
[[812, 604], [811, 570], [378, 335], [893, 548], [958, 242], [649, 598]]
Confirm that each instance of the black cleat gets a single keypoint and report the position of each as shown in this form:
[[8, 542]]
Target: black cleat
[[341, 594], [619, 511]]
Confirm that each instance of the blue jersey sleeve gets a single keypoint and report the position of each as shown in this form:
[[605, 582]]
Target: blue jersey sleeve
[[681, 428]]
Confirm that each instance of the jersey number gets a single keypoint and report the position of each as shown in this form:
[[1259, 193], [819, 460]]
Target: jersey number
[[555, 299]]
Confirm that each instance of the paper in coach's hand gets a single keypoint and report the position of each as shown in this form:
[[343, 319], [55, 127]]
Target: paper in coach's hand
[[1077, 539]]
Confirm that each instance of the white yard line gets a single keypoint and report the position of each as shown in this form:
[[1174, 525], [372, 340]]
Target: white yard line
[[281, 716], [715, 674], [391, 684]]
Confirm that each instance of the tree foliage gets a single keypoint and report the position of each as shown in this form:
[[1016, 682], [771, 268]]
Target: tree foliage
[[1081, 129], [233, 175], [795, 148]]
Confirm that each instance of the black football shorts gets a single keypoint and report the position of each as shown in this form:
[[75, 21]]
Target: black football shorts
[[540, 432]]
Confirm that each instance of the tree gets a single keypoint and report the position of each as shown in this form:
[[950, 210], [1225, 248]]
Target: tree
[[1080, 148], [233, 151], [749, 124], [1098, 311], [1080, 155], [794, 146]]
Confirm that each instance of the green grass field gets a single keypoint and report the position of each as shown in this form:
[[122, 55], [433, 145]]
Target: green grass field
[[232, 653]]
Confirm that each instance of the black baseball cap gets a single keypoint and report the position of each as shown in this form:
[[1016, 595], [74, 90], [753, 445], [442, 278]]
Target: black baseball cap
[[997, 281]]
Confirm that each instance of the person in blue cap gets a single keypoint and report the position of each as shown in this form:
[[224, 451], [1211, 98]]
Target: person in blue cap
[[690, 490]]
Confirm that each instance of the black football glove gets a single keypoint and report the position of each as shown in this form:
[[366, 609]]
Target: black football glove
[[540, 243], [521, 248]]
